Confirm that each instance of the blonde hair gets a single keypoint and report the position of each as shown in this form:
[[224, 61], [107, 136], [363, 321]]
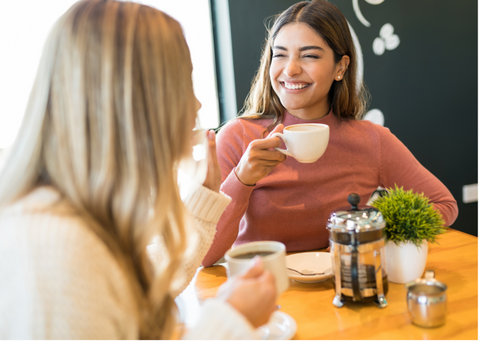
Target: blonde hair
[[105, 125], [348, 97]]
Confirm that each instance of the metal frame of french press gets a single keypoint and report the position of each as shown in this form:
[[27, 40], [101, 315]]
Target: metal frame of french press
[[338, 301]]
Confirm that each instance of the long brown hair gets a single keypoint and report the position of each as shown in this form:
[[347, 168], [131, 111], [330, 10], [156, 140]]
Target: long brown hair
[[106, 122], [347, 97]]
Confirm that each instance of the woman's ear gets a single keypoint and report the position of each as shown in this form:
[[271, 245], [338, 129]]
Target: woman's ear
[[341, 67]]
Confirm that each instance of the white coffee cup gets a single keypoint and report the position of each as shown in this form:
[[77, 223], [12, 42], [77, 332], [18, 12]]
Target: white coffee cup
[[273, 262], [305, 142]]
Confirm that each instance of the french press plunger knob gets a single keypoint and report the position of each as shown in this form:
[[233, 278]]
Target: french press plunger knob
[[354, 199]]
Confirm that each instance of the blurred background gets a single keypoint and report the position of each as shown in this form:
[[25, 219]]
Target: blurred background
[[25, 24], [419, 57]]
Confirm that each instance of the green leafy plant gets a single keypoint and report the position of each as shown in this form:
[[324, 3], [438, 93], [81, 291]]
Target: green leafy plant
[[409, 217]]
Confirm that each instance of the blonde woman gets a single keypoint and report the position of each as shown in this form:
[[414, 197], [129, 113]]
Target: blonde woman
[[91, 180]]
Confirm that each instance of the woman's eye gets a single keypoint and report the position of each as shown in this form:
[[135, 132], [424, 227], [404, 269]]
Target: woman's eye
[[276, 55], [311, 56]]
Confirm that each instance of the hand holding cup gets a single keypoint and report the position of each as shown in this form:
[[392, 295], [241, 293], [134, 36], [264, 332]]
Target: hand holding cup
[[252, 293], [260, 159]]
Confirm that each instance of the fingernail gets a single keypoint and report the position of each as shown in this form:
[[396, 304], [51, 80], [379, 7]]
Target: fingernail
[[255, 260]]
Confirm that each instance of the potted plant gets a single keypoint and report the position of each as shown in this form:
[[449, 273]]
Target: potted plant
[[411, 223]]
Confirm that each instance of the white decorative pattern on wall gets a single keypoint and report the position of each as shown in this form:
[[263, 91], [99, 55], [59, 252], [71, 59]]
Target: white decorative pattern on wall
[[359, 14], [375, 116], [387, 40]]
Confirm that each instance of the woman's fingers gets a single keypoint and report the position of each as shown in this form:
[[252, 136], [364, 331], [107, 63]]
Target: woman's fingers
[[213, 179], [259, 158], [255, 270], [212, 146], [269, 142], [278, 129], [267, 155], [253, 293]]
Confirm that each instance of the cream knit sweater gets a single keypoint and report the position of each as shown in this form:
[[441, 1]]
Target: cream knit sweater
[[59, 281]]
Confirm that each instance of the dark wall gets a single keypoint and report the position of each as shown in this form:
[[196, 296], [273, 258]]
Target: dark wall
[[248, 19], [426, 87]]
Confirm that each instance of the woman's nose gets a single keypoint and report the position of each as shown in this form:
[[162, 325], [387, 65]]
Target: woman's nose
[[292, 68], [198, 104]]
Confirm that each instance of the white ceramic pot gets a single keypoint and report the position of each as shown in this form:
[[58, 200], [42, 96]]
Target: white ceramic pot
[[405, 262]]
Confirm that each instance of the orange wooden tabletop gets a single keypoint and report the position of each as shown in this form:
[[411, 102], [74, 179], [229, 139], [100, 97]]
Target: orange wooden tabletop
[[454, 261]]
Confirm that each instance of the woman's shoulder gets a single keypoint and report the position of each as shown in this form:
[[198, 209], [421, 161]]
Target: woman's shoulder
[[45, 219], [364, 127], [384, 134], [364, 133], [50, 238]]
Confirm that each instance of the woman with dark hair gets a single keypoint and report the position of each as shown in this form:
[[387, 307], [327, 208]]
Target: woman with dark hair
[[308, 74]]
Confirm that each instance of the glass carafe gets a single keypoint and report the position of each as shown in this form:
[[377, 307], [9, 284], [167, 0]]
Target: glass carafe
[[358, 254]]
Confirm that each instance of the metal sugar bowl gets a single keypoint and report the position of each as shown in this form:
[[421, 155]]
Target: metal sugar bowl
[[357, 246]]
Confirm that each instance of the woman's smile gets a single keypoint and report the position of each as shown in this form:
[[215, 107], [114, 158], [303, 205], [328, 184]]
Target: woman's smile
[[294, 85]]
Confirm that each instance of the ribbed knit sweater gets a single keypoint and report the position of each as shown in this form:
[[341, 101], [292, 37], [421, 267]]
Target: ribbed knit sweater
[[293, 203], [59, 280]]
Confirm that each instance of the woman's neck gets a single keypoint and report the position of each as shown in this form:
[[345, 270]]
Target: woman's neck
[[309, 114]]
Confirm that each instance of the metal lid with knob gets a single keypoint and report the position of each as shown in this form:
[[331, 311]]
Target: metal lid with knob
[[355, 225]]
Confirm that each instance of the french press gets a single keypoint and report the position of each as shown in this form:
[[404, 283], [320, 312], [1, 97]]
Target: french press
[[358, 254]]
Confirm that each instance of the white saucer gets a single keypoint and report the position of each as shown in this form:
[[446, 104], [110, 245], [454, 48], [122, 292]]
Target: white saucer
[[280, 327], [310, 262]]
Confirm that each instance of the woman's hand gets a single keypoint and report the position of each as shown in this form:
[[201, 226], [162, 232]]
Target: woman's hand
[[259, 159], [253, 293], [213, 179]]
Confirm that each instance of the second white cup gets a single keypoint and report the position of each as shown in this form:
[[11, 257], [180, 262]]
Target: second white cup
[[305, 142], [273, 257]]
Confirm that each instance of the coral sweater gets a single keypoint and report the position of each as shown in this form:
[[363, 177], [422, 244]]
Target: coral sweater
[[293, 203]]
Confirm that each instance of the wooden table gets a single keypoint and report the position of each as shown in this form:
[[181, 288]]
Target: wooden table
[[454, 261]]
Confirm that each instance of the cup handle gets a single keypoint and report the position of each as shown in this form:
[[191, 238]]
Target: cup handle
[[429, 274], [284, 151]]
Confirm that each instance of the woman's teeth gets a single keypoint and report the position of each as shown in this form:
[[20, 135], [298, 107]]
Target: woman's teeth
[[292, 86]]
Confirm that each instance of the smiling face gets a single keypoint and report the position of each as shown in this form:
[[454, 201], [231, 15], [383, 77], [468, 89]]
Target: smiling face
[[302, 71]]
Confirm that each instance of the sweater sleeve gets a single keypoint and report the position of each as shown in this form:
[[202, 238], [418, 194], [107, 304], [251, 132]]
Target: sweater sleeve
[[230, 147], [220, 321], [205, 208], [398, 166]]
